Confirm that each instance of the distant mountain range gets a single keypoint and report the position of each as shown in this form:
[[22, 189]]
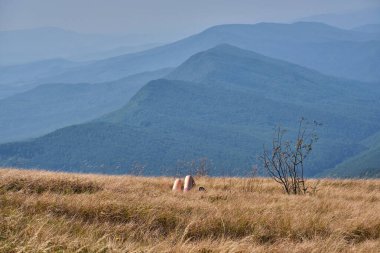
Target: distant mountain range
[[349, 19], [312, 45], [328, 49], [29, 75], [51, 106], [222, 103], [218, 101], [28, 45], [333, 51]]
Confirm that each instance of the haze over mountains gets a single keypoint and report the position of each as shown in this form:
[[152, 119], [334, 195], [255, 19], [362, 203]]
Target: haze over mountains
[[369, 28], [215, 100], [331, 50], [221, 104], [313, 45], [347, 20], [310, 44], [28, 45], [18, 78], [51, 106]]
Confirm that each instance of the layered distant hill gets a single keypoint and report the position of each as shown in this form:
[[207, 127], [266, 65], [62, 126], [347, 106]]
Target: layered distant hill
[[369, 28], [27, 45], [22, 77], [312, 45], [344, 53], [51, 106], [348, 19], [222, 104]]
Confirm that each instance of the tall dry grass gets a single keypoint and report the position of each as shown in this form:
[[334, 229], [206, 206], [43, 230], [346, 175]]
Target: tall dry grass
[[56, 212]]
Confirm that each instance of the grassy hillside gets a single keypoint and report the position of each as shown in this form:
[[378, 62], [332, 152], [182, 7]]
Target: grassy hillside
[[222, 104], [56, 212]]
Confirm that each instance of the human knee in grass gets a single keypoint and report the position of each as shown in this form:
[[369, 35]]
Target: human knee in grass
[[177, 186]]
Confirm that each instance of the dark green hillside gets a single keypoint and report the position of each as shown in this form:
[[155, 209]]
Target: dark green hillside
[[223, 104], [91, 147], [365, 164], [52, 106], [225, 65]]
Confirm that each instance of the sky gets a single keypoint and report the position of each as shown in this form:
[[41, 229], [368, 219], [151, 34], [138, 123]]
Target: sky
[[167, 17]]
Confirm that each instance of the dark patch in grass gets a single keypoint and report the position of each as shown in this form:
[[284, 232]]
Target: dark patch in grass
[[204, 250], [216, 198], [361, 234], [51, 185]]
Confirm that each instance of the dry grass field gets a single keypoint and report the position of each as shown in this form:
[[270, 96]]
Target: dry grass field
[[56, 212]]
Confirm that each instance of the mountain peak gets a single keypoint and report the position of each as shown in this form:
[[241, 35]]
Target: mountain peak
[[219, 61], [224, 50], [224, 47]]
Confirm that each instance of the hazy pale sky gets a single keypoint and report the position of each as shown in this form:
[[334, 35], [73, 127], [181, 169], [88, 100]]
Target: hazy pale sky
[[178, 17]]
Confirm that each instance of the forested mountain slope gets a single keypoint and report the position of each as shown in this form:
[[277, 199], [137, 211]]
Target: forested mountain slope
[[51, 106]]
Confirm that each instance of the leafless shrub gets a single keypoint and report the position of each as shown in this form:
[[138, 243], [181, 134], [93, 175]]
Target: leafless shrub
[[285, 161]]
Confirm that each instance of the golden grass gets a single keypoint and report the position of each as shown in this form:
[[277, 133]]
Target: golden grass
[[57, 212]]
